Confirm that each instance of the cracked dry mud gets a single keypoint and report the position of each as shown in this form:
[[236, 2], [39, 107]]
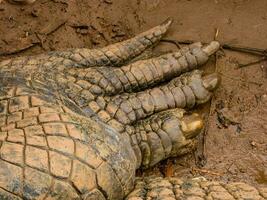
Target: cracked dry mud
[[76, 124]]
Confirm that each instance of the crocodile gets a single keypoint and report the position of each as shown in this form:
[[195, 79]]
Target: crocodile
[[78, 123]]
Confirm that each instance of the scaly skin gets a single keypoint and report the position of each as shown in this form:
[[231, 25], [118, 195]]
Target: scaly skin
[[77, 124], [193, 189]]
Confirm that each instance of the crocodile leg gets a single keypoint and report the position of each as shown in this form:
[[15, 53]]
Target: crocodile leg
[[76, 124]]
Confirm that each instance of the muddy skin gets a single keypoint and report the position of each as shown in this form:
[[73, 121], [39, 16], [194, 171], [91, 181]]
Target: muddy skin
[[77, 124]]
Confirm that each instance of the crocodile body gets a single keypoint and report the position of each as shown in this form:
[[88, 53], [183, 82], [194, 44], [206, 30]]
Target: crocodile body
[[76, 124]]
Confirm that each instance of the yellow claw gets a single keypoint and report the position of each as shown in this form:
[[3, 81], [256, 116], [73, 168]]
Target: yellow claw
[[192, 125], [211, 82], [211, 48]]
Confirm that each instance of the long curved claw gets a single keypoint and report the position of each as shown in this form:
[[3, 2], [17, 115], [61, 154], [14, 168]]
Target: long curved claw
[[191, 125], [121, 52], [211, 81], [211, 48], [115, 54]]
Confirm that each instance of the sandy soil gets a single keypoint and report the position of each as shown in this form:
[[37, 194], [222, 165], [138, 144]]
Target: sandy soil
[[235, 141]]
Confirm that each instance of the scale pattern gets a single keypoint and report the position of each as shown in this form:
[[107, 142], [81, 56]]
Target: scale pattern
[[76, 124], [46, 152], [193, 189]]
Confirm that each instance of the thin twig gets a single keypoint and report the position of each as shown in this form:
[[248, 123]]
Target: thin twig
[[175, 42], [205, 171], [216, 34], [244, 49], [250, 50], [252, 63], [41, 40], [26, 47], [200, 154], [178, 41]]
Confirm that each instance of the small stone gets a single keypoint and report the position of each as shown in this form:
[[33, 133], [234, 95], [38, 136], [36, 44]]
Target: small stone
[[253, 144], [108, 1], [35, 13]]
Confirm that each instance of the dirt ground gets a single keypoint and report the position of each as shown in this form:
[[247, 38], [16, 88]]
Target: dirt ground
[[236, 137]]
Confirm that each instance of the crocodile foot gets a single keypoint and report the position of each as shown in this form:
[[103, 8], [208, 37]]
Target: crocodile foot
[[76, 124]]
